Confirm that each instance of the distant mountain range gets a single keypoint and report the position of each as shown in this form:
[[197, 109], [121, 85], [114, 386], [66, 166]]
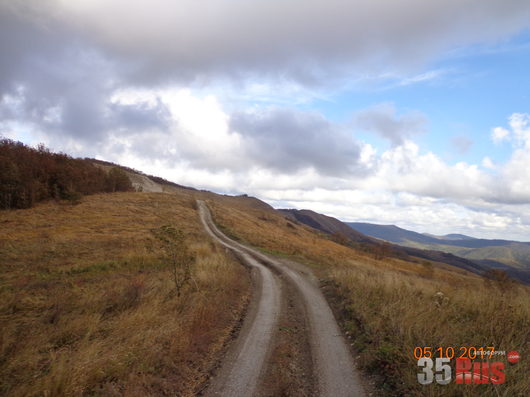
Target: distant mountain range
[[453, 236], [497, 253], [408, 245]]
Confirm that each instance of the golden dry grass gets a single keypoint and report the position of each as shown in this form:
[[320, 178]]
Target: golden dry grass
[[389, 313], [86, 308], [389, 306]]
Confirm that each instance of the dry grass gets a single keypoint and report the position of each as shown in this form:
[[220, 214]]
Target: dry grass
[[389, 306], [388, 313], [86, 309], [271, 232]]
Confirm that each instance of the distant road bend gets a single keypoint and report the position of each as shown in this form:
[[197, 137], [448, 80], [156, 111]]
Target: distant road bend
[[242, 368]]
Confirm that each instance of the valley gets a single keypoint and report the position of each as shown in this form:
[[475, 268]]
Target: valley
[[510, 256]]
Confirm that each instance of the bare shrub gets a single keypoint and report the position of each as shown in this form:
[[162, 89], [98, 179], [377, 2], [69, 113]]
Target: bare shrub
[[171, 243]]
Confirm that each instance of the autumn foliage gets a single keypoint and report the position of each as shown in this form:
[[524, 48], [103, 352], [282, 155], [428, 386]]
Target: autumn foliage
[[29, 175]]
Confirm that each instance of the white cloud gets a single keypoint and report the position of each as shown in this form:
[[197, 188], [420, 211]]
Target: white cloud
[[515, 175], [423, 77], [402, 185], [520, 125], [203, 135], [413, 212], [499, 134], [488, 163]]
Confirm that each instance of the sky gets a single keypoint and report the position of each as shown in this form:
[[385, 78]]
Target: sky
[[406, 112]]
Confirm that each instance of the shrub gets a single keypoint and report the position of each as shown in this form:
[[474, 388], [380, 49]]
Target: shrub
[[171, 243]]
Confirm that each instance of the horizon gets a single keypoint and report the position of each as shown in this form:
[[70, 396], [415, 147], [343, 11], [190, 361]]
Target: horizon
[[365, 113], [426, 233]]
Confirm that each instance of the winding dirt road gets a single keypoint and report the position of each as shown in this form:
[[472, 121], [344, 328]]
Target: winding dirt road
[[243, 367]]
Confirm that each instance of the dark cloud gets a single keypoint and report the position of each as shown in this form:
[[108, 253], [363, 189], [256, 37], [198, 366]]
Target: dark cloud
[[287, 140], [139, 116], [19, 40], [384, 121], [462, 144], [309, 41], [54, 80], [67, 58]]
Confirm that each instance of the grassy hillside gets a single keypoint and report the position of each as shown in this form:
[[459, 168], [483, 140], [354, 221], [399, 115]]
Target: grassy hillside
[[341, 233], [392, 233], [87, 307], [389, 306], [327, 224]]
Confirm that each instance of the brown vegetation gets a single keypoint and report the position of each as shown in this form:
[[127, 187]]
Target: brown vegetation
[[28, 176], [172, 245], [87, 309]]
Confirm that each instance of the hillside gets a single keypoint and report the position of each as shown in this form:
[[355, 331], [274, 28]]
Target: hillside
[[140, 181], [326, 224], [454, 236], [89, 308], [392, 233], [89, 303], [387, 304], [497, 253], [342, 233]]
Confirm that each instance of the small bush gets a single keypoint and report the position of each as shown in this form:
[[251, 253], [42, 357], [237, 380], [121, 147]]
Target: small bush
[[171, 243], [73, 198]]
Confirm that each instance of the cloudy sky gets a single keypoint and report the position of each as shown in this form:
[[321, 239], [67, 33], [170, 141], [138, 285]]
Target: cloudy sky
[[410, 112]]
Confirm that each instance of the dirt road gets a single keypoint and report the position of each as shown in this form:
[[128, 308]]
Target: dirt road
[[243, 365], [242, 370]]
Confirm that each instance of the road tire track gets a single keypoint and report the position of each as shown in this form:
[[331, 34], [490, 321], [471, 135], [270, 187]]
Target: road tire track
[[244, 366], [332, 360]]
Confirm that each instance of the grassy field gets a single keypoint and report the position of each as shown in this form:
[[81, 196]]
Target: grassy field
[[389, 306], [88, 308]]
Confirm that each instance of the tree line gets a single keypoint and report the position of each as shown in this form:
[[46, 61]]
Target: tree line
[[30, 175]]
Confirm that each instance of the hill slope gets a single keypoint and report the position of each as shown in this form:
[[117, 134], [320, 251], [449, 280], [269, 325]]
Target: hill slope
[[424, 247], [389, 303], [326, 224], [88, 304]]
